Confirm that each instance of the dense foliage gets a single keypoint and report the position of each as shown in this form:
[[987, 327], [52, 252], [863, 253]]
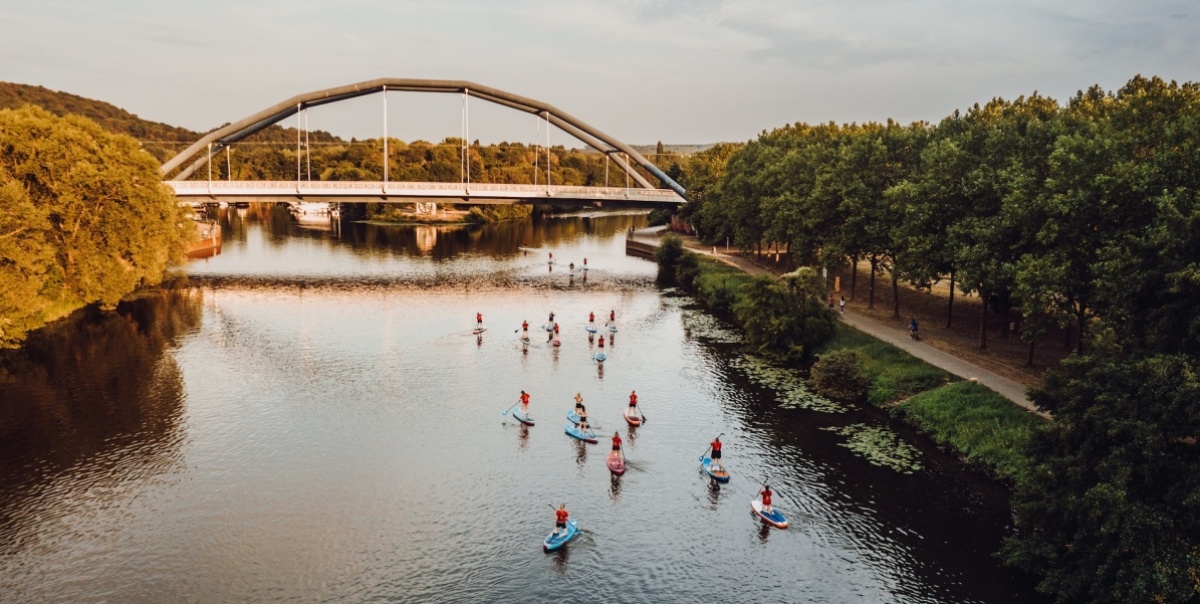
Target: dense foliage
[[84, 218], [839, 374], [1085, 216], [1111, 511]]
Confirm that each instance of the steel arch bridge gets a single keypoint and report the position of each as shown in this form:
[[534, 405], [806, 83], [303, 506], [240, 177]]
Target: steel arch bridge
[[645, 194]]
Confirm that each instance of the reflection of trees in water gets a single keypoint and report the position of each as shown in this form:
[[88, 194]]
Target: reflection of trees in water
[[91, 389]]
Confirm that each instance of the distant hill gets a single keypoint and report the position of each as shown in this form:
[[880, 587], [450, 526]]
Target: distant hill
[[107, 115]]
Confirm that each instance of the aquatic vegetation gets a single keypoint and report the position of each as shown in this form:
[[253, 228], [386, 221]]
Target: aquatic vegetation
[[880, 447], [703, 326], [791, 390]]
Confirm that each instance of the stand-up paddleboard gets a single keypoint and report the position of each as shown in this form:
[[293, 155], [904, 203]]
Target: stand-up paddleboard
[[524, 418], [591, 329], [773, 518], [616, 463], [524, 339], [548, 327], [600, 357], [721, 475], [556, 342], [572, 416], [612, 328], [575, 432], [478, 330], [554, 542], [633, 416]]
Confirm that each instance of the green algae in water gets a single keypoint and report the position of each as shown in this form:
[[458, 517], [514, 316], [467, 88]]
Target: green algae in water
[[880, 447], [791, 391], [706, 327]]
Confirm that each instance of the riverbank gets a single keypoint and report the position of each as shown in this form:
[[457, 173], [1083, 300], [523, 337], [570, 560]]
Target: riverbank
[[983, 417]]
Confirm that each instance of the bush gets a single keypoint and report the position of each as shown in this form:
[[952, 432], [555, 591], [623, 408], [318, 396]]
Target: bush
[[894, 374], [669, 251], [839, 375]]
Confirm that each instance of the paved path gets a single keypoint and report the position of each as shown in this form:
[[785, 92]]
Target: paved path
[[892, 334]]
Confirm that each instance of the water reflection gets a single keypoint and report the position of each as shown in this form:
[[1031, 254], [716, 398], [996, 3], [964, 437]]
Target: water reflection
[[93, 401]]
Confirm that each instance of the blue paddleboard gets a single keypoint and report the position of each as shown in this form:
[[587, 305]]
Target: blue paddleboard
[[587, 437], [590, 329], [706, 465], [774, 518], [553, 542], [522, 417]]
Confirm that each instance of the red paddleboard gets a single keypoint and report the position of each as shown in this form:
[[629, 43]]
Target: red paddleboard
[[616, 464], [556, 342], [633, 416]]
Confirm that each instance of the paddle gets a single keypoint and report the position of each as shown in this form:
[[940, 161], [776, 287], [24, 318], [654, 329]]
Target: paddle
[[644, 418], [510, 408]]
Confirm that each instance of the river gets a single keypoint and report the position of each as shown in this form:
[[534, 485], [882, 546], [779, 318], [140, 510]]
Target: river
[[314, 421]]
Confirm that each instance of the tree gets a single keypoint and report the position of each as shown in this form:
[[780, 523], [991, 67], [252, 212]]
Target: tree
[[97, 220], [786, 315], [1111, 511]]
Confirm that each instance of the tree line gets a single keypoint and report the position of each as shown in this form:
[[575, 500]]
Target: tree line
[[1084, 215]]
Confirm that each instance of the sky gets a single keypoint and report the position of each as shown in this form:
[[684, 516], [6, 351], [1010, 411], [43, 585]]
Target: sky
[[680, 72]]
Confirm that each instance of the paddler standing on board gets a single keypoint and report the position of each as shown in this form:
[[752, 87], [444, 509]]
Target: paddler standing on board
[[602, 341], [633, 400], [616, 441], [478, 319], [716, 455], [766, 498], [591, 317], [560, 519], [525, 403], [525, 329]]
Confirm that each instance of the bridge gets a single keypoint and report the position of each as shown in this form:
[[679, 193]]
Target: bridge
[[179, 172]]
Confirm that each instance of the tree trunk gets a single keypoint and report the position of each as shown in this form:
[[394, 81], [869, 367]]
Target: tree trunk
[[1067, 336], [895, 295], [1007, 316], [982, 320], [1081, 318], [950, 307], [853, 274], [1029, 357], [871, 289]]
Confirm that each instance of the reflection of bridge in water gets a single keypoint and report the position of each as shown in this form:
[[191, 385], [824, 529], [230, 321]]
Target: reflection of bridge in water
[[638, 192]]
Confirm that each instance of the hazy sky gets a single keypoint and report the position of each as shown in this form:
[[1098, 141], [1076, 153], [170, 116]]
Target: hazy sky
[[693, 71]]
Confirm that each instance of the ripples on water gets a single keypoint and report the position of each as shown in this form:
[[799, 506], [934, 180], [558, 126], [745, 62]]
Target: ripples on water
[[275, 437]]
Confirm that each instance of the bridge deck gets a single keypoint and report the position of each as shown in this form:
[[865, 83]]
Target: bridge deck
[[400, 192]]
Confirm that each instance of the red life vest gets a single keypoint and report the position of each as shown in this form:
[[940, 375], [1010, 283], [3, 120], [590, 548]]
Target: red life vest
[[561, 516]]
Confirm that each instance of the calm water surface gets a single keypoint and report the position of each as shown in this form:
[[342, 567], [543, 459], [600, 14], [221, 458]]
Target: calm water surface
[[315, 423]]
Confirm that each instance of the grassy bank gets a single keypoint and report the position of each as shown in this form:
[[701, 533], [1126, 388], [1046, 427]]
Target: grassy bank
[[986, 429], [982, 426], [894, 374]]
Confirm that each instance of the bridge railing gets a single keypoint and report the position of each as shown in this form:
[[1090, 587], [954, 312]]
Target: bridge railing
[[379, 189]]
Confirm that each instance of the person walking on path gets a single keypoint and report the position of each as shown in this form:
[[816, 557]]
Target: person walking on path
[[843, 305]]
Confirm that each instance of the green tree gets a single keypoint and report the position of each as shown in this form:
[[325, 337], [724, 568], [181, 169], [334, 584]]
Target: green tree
[[1111, 512], [95, 200], [787, 315]]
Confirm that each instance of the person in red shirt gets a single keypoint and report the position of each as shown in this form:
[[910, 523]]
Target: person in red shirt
[[560, 519], [556, 330], [616, 441], [602, 341], [766, 498], [591, 317], [633, 398], [525, 403], [479, 319], [612, 316], [716, 455], [525, 328]]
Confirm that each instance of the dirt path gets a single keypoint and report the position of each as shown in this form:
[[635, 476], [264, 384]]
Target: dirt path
[[1001, 367]]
